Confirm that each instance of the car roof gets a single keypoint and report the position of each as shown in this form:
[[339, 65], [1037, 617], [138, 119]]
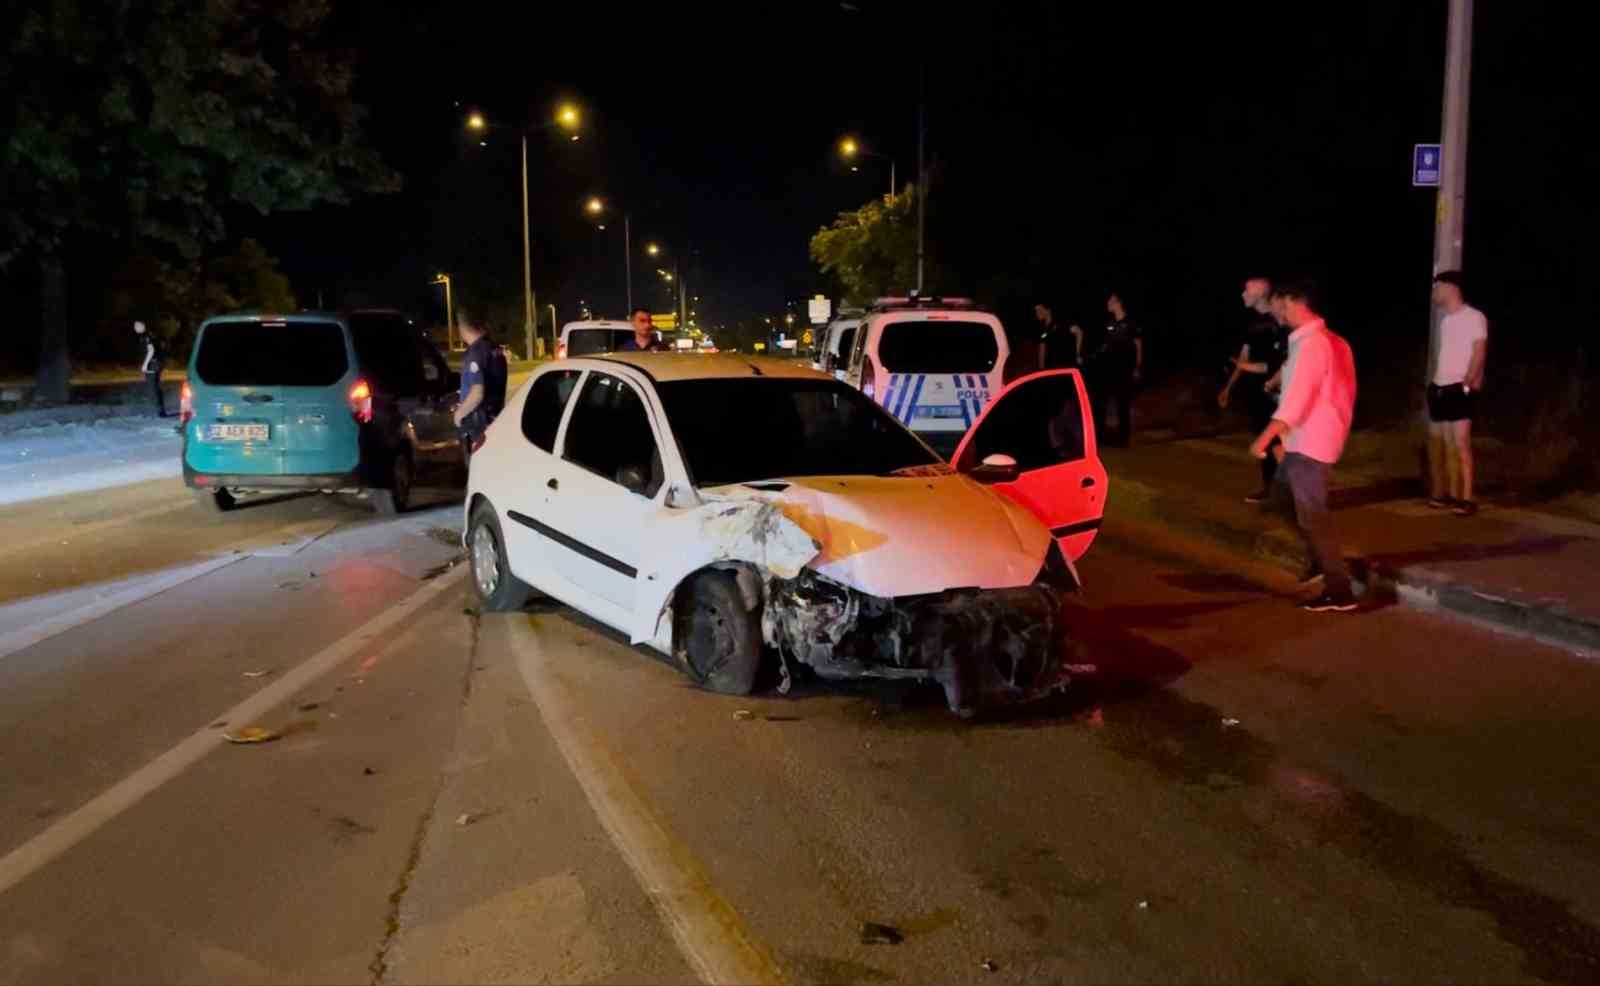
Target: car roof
[[666, 367], [598, 323]]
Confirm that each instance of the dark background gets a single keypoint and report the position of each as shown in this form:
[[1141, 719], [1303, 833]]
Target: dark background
[[1074, 147]]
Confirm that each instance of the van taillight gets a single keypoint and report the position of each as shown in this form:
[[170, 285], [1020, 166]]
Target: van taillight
[[185, 405], [361, 402], [561, 351]]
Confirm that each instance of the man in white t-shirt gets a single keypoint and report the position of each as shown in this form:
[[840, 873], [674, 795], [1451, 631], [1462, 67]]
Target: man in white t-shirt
[[1452, 393]]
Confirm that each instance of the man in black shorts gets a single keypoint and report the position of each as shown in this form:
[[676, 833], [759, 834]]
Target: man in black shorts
[[1452, 394]]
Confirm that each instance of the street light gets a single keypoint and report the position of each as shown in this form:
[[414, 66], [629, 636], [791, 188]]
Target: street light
[[653, 250], [850, 148], [567, 118], [449, 313]]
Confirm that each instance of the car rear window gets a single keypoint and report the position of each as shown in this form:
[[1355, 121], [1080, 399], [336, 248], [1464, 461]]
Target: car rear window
[[388, 350], [587, 342], [938, 347], [247, 353]]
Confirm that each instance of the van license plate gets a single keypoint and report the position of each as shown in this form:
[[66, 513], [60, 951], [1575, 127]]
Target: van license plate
[[237, 433]]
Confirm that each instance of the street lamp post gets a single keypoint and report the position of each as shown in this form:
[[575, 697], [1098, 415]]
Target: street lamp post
[[449, 313], [566, 118], [849, 147], [555, 332]]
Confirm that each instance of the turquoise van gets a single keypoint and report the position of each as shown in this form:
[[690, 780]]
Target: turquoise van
[[357, 402]]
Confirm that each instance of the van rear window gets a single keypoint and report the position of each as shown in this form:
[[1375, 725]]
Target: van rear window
[[587, 342], [938, 347], [284, 354]]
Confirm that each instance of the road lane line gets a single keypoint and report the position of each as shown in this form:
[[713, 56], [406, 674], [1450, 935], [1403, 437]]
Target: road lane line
[[708, 931], [43, 630], [16, 865]]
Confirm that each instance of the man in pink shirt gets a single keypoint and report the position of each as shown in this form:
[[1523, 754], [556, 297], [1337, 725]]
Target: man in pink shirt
[[1313, 419]]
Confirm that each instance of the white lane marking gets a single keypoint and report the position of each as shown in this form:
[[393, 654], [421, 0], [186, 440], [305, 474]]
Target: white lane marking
[[708, 931], [26, 637], [16, 865]]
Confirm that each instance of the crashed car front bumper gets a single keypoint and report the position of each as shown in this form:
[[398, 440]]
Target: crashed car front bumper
[[984, 647]]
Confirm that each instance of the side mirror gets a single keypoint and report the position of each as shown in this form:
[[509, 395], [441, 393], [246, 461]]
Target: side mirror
[[632, 479], [679, 497], [453, 378], [996, 469]]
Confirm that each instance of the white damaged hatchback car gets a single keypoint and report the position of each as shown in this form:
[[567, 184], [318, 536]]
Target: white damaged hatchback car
[[727, 511]]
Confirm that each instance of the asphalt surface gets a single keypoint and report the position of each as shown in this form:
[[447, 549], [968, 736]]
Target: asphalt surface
[[1242, 791]]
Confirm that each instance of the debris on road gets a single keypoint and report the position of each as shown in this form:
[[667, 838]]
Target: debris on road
[[369, 771], [465, 819], [743, 714], [1144, 905], [252, 734], [258, 674], [873, 933], [987, 965], [310, 706], [1227, 722]]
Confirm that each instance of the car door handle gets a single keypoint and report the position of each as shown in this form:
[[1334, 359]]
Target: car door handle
[[1088, 481], [554, 483]]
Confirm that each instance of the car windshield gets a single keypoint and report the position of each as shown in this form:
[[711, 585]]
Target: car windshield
[[749, 429], [587, 342], [938, 346], [248, 353]]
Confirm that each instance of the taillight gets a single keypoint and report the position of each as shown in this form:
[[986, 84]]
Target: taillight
[[361, 402], [185, 405], [561, 351]]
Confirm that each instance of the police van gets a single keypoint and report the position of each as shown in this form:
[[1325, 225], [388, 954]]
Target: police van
[[933, 363], [837, 338]]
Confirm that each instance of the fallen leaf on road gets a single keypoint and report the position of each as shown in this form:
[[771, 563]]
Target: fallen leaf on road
[[252, 734], [879, 934], [257, 674], [1229, 722], [987, 965]]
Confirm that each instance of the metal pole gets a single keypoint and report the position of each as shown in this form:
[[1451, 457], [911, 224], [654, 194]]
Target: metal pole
[[891, 178], [527, 259], [1450, 213], [555, 333], [922, 167], [627, 259], [449, 318]]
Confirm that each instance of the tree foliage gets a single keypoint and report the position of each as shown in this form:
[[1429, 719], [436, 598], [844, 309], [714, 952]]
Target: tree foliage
[[149, 119], [173, 298], [873, 250]]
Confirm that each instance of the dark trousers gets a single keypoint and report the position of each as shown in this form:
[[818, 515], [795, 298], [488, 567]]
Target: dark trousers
[[152, 379], [1307, 483], [1112, 390], [1261, 407]]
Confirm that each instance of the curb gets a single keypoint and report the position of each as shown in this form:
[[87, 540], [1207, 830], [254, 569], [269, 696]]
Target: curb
[[1414, 585]]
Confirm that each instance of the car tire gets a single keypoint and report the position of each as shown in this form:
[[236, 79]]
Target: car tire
[[497, 590], [223, 501], [395, 495], [717, 639]]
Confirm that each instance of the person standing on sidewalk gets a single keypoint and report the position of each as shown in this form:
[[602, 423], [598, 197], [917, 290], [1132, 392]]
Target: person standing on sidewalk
[[1059, 348], [1117, 369], [1313, 419], [1258, 361], [150, 366], [1452, 395]]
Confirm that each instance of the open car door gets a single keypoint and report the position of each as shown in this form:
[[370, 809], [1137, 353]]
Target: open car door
[[1042, 423]]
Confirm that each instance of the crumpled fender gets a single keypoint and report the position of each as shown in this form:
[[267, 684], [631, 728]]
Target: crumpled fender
[[730, 531]]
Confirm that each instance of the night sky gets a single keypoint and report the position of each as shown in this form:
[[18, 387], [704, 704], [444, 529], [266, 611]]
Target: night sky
[[1076, 148]]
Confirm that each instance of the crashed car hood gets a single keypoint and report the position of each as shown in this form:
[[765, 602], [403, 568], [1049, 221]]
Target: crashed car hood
[[894, 536]]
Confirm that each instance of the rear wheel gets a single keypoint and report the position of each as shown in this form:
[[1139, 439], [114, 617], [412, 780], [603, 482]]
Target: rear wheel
[[395, 497], [223, 501], [718, 639], [492, 582]]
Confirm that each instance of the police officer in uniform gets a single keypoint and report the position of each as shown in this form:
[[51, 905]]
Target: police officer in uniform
[[483, 382]]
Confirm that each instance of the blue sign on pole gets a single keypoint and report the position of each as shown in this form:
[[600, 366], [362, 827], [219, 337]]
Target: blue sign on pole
[[1425, 166]]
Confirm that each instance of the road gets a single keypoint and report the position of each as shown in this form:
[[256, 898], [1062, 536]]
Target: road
[[1243, 791]]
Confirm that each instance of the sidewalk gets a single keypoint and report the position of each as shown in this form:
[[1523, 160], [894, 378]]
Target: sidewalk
[[1521, 570]]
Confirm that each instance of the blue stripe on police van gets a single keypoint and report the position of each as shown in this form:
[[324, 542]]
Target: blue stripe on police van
[[916, 395], [897, 393], [904, 381]]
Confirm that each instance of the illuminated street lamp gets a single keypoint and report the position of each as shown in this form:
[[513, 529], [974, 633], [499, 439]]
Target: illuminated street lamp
[[566, 118], [449, 312], [850, 149]]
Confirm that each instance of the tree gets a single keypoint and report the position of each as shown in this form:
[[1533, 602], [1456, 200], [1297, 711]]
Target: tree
[[873, 250], [150, 120]]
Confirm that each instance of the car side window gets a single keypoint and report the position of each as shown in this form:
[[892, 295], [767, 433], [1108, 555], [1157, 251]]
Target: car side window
[[610, 435], [388, 354], [858, 351], [435, 373], [547, 398], [1039, 423]]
